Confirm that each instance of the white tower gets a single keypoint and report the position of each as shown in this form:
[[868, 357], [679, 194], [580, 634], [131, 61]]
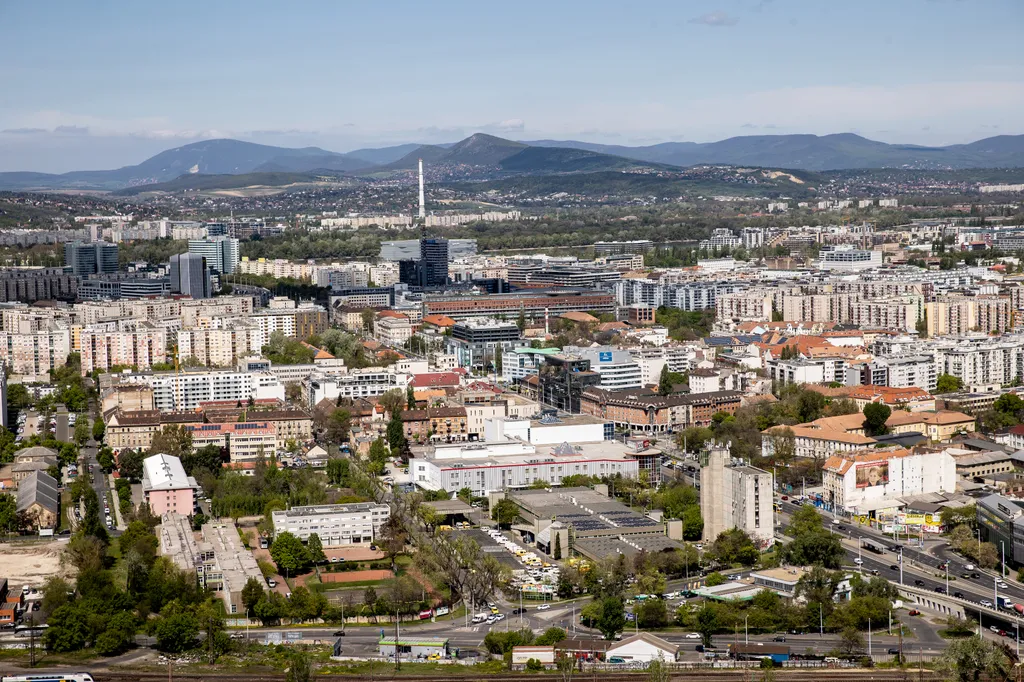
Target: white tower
[[423, 201]]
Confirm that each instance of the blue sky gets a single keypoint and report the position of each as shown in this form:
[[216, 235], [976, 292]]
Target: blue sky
[[102, 84]]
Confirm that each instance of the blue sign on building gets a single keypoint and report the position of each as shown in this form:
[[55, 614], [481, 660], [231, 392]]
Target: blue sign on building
[[604, 356]]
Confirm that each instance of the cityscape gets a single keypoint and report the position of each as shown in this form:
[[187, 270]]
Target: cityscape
[[318, 381]]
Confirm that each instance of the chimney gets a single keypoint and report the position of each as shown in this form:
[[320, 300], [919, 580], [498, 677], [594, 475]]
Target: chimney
[[423, 202]]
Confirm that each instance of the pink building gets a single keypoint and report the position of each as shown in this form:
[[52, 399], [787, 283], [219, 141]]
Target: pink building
[[166, 487]]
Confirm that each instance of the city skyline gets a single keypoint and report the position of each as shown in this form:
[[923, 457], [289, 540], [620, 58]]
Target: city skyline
[[109, 85]]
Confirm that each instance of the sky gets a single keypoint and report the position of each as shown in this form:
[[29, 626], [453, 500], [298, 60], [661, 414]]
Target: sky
[[95, 85]]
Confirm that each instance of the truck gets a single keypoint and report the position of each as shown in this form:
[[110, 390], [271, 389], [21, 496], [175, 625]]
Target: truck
[[1004, 603]]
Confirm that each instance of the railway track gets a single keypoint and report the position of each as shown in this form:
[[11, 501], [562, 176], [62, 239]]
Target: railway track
[[731, 675]]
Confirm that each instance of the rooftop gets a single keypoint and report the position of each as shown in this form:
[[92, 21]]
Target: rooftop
[[165, 472]]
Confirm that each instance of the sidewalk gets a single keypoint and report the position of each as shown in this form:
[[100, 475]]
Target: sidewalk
[[115, 504]]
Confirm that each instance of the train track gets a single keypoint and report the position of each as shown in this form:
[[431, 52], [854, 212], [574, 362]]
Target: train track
[[731, 675]]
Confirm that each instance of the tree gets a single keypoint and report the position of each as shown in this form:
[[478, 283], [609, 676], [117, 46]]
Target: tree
[[783, 443], [521, 320], [972, 659], [118, 636], [549, 637], [339, 423], [98, 429], [252, 592], [68, 629], [812, 542], [393, 537], [172, 439], [338, 470], [557, 554], [177, 632], [208, 457], [665, 381], [505, 512], [651, 613], [289, 553], [8, 514], [875, 416], [410, 398], [707, 622], [947, 383], [612, 618], [129, 464], [735, 546], [316, 549], [82, 431], [393, 402], [396, 432], [850, 641]]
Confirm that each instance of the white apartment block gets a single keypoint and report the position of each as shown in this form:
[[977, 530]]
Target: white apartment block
[[185, 390], [687, 296], [335, 524], [393, 331], [356, 383], [735, 495]]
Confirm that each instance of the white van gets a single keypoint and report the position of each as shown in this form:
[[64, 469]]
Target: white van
[[480, 617]]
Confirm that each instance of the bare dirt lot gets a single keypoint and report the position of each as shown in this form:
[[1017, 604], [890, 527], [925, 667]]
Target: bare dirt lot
[[31, 563], [355, 576]]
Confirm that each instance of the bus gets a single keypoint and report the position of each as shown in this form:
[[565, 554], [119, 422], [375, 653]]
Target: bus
[[49, 677], [29, 630]]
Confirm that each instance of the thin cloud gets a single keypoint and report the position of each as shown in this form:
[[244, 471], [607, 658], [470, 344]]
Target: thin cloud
[[719, 19], [24, 131], [71, 130]]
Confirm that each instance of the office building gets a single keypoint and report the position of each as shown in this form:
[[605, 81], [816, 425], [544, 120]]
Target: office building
[[221, 253], [90, 258], [635, 246], [734, 494], [519, 363], [1001, 522], [190, 275], [535, 304], [478, 342], [166, 487], [846, 257], [616, 368], [563, 378], [335, 524], [122, 285]]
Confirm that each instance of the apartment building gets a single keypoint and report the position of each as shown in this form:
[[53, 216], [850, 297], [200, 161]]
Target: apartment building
[[28, 285], [436, 424], [294, 321], [35, 352], [535, 304], [166, 487], [222, 346], [753, 304], [245, 441], [479, 341], [863, 481], [189, 388], [899, 313], [335, 524], [392, 329], [135, 430], [956, 315], [734, 494], [356, 383], [135, 344], [646, 413], [222, 563]]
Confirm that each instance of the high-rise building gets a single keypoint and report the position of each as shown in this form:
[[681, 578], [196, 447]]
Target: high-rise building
[[434, 262], [90, 258], [190, 275], [221, 253], [734, 494]]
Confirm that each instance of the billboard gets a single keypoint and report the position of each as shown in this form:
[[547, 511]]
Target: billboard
[[871, 474], [604, 356]]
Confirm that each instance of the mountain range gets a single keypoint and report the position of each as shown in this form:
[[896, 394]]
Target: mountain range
[[486, 157]]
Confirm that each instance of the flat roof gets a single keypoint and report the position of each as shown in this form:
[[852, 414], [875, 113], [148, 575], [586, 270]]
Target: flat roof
[[418, 641], [449, 506]]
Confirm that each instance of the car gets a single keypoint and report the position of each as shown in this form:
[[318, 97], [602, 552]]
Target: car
[[986, 602], [836, 522], [975, 575], [969, 567], [1002, 633], [965, 575], [841, 527], [894, 651], [959, 595], [237, 635], [699, 647], [271, 582], [919, 583], [693, 635], [944, 565], [796, 632], [874, 571], [993, 628], [913, 612], [894, 567], [334, 559], [785, 497], [544, 607], [858, 561], [940, 589], [1002, 585], [339, 633], [779, 638], [491, 620]]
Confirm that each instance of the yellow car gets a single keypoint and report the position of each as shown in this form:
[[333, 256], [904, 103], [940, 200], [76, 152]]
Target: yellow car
[[434, 657]]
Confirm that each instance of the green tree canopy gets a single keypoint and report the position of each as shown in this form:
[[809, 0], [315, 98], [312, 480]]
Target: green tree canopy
[[289, 553]]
